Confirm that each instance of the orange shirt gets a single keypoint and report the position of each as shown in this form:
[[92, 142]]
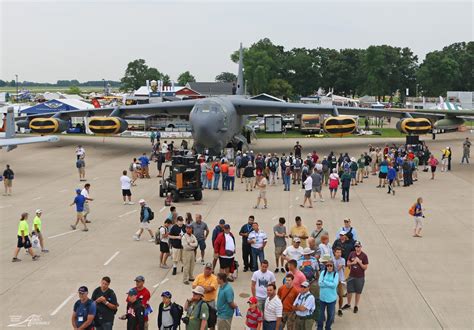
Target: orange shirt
[[209, 174], [287, 297], [224, 168], [231, 170]]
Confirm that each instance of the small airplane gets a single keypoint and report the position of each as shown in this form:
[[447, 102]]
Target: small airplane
[[10, 142], [219, 122]]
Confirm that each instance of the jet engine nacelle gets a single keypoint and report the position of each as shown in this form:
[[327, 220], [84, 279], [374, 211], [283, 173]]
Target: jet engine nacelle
[[415, 126], [448, 123], [340, 125], [47, 125], [107, 125]]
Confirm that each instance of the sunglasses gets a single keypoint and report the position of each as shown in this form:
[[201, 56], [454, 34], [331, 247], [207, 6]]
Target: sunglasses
[[319, 224], [329, 265]]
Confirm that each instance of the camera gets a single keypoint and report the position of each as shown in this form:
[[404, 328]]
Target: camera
[[185, 320]]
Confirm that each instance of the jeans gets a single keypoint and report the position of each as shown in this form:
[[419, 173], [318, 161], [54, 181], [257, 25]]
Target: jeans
[[287, 182], [209, 184], [345, 194], [247, 255], [203, 179], [105, 326], [216, 180], [230, 182], [225, 183], [269, 325], [257, 253], [331, 307]]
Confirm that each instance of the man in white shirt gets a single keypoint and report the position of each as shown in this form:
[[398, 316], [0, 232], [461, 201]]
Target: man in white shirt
[[261, 279], [293, 252], [273, 309], [85, 193], [308, 188], [304, 306], [80, 152], [126, 184], [257, 240]]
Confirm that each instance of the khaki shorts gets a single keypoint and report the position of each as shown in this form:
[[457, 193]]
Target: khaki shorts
[[82, 170], [224, 324], [7, 182], [340, 290], [262, 194], [80, 214], [177, 254], [418, 222], [87, 210], [279, 250], [145, 225]]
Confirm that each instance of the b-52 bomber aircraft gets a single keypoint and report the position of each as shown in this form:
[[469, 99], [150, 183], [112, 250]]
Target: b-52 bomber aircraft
[[219, 121]]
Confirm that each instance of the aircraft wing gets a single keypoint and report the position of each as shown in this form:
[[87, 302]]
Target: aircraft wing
[[12, 143], [172, 108], [258, 107]]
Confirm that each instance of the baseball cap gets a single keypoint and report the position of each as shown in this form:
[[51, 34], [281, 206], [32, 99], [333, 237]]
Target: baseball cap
[[252, 300], [342, 232], [222, 222], [296, 240], [141, 201], [166, 294], [139, 278], [357, 243], [132, 292], [305, 284], [189, 225], [39, 211], [208, 265], [325, 258], [226, 226], [78, 191], [199, 290], [347, 219], [83, 289]]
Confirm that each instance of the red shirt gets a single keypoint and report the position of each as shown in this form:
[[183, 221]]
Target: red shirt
[[254, 317], [144, 295]]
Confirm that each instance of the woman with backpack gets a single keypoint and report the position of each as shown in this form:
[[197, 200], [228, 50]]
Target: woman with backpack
[[328, 281], [417, 212]]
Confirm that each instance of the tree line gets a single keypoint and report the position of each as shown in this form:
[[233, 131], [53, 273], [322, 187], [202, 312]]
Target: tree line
[[60, 83]]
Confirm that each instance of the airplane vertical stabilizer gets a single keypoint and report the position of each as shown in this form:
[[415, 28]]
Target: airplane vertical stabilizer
[[240, 76], [9, 124]]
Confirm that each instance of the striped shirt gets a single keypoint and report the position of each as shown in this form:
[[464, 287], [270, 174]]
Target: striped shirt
[[273, 309], [254, 317]]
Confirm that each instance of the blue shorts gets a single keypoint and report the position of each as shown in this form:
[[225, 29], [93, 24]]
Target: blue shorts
[[202, 245], [353, 175]]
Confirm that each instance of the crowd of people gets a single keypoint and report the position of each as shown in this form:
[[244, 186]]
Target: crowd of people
[[319, 279]]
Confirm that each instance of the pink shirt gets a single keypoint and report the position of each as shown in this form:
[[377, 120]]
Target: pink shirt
[[231, 171], [298, 279]]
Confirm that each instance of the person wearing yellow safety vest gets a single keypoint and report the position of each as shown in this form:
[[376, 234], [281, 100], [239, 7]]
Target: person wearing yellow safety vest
[[23, 239], [37, 228]]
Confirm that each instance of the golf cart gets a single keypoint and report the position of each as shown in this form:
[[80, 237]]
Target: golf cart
[[181, 179]]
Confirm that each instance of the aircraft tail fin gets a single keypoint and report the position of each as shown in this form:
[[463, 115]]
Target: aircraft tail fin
[[240, 76], [9, 124]]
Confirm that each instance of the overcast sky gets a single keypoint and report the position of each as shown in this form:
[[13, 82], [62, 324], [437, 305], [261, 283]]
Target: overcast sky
[[45, 41]]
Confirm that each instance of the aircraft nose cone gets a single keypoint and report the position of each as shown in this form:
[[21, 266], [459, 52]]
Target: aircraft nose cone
[[205, 135]]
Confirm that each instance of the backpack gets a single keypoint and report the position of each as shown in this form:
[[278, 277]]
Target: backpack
[[349, 234], [297, 163], [158, 236], [315, 314], [308, 270], [288, 170], [272, 166], [180, 311], [217, 169], [412, 210], [151, 215], [212, 319]]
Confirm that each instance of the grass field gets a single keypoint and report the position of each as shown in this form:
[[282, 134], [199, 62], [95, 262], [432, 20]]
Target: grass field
[[386, 132]]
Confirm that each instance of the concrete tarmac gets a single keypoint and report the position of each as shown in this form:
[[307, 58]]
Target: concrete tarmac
[[411, 283]]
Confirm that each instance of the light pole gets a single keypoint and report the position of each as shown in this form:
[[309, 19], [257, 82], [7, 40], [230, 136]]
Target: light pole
[[16, 78], [104, 86]]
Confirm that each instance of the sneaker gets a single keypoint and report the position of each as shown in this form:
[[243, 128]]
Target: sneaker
[[186, 282], [276, 270], [346, 306], [255, 207], [165, 266], [192, 279], [174, 271], [45, 251], [16, 260], [322, 200], [356, 309], [73, 227], [36, 257], [282, 270], [151, 240], [339, 312], [136, 238], [265, 207], [88, 221], [130, 203], [85, 229], [124, 203]]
